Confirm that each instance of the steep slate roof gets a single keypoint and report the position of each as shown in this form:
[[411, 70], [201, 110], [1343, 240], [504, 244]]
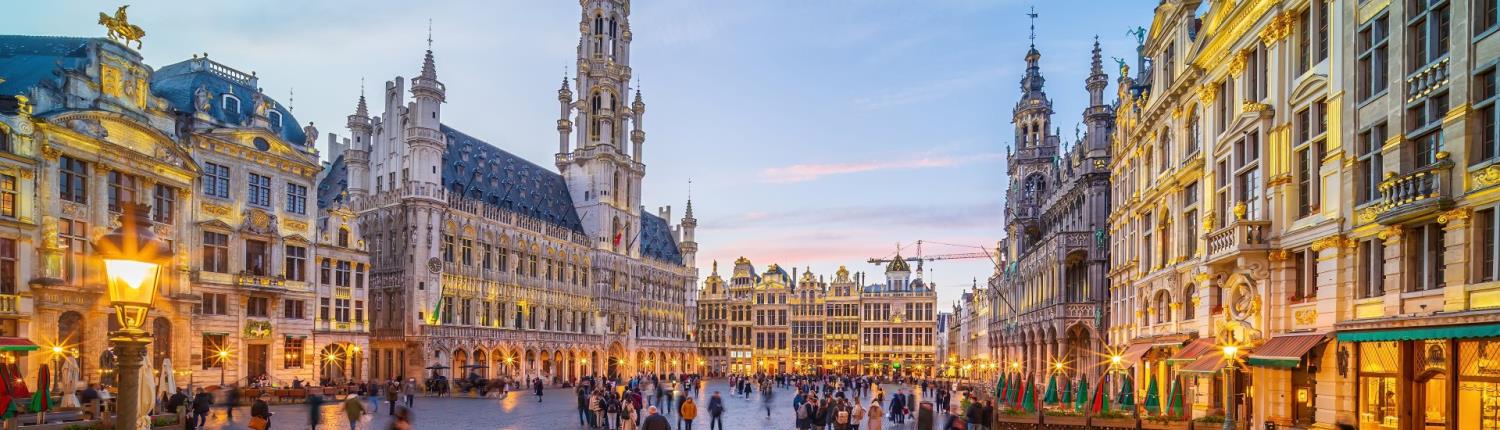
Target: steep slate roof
[[656, 240], [28, 61], [178, 82], [480, 171], [331, 188]]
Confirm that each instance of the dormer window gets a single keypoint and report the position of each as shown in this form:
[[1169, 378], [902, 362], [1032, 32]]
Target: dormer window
[[230, 104], [275, 118]]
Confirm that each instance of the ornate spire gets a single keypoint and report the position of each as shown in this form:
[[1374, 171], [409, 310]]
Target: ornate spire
[[689, 213], [1032, 14], [429, 70], [1098, 63]]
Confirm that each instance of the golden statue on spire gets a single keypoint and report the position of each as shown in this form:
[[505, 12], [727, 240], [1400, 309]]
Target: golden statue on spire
[[121, 29]]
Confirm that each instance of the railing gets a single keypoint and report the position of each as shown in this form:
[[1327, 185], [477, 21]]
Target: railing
[[1425, 81], [10, 303], [1241, 235], [424, 133], [1414, 194]]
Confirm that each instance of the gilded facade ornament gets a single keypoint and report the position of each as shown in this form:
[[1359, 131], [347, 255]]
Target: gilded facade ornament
[[1255, 107], [1454, 215], [215, 209], [1306, 316], [1388, 233], [1330, 242], [1278, 28], [1207, 92], [1208, 221], [1239, 211], [120, 28], [1366, 215], [295, 225], [23, 106], [1490, 175], [1237, 63], [1279, 255]]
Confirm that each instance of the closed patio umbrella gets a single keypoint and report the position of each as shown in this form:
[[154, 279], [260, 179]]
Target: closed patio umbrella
[[1051, 397], [1153, 400]]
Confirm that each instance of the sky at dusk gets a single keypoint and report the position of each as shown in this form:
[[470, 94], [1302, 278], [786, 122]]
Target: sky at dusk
[[816, 133]]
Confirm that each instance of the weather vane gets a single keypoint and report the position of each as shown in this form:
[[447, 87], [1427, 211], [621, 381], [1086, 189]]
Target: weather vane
[[1033, 16]]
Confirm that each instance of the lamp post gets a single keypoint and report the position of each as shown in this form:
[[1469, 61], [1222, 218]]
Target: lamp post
[[1230, 351], [223, 356], [132, 258]]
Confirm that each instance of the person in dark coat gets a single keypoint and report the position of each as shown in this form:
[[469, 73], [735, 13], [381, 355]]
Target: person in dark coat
[[716, 411], [202, 403], [654, 421], [177, 401], [975, 415], [261, 409]]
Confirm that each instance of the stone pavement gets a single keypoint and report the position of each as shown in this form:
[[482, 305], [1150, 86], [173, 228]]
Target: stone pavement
[[521, 410]]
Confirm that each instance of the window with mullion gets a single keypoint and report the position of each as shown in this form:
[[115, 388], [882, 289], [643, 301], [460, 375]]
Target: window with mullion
[[216, 180], [260, 190], [1425, 262], [1373, 57], [1488, 136], [1485, 222], [1370, 163], [1486, 16], [73, 178], [1427, 25], [1424, 125]]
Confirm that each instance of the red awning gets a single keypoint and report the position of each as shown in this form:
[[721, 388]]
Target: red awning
[[1134, 353], [1209, 363], [1285, 351], [17, 344], [1193, 350]]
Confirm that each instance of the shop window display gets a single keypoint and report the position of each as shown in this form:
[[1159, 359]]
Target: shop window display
[[1479, 383], [1379, 367]]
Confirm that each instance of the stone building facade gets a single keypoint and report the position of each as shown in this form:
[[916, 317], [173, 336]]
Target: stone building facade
[[228, 174], [508, 268], [816, 324], [1311, 182], [1047, 300]]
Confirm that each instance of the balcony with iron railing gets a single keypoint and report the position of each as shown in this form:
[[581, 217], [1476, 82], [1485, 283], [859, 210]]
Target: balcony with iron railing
[[1239, 236], [1421, 192]]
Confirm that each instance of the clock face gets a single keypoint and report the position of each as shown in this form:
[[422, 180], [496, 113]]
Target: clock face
[[434, 265]]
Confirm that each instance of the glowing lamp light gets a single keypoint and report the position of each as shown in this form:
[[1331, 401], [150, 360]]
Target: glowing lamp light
[[1230, 351], [132, 257], [1115, 359], [57, 350]]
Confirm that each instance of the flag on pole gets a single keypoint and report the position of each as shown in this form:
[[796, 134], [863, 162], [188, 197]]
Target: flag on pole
[[1051, 397], [1153, 399], [1176, 404]]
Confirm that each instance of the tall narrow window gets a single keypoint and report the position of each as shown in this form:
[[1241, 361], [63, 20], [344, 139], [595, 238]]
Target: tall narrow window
[[216, 180], [74, 235], [1427, 32], [73, 180], [1486, 16], [121, 190], [260, 190], [1487, 137], [296, 199], [1424, 126], [296, 263], [1485, 223], [257, 257], [8, 196], [8, 275], [1373, 58], [1425, 263], [215, 252], [164, 203], [1369, 173]]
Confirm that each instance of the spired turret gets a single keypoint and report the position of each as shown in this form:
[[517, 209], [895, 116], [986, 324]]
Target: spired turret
[[357, 158]]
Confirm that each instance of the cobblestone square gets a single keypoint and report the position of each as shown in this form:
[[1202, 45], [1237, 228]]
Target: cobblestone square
[[520, 410]]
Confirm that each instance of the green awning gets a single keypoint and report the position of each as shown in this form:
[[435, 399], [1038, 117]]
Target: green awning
[[1421, 333], [17, 344]]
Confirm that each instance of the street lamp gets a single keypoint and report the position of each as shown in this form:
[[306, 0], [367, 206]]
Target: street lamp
[[223, 356], [1230, 351], [132, 257]]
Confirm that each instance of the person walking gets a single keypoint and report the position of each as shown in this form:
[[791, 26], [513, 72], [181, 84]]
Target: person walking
[[687, 411], [581, 395], [314, 411], [716, 412], [654, 421], [231, 398], [372, 389], [410, 390], [202, 403], [537, 386], [390, 397], [627, 415], [353, 409], [857, 414], [874, 415], [262, 412], [402, 420]]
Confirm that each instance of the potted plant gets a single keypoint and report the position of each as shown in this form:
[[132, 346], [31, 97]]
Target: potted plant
[[1016, 416], [1164, 422], [1112, 419], [1066, 417]]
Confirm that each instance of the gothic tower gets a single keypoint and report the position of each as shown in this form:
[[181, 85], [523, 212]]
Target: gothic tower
[[1032, 165], [1100, 115], [421, 185], [603, 178], [357, 158]]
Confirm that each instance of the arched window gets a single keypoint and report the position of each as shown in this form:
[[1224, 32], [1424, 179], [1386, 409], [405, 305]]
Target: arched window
[[230, 104], [274, 118], [343, 237]]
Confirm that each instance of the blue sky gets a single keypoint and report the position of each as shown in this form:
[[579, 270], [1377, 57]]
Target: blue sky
[[816, 132]]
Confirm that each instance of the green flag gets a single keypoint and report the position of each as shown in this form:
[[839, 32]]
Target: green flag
[[1051, 396], [1126, 398], [1153, 399], [1081, 399], [1176, 404]]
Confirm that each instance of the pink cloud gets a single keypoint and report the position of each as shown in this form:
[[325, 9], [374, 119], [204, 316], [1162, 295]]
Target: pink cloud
[[808, 172]]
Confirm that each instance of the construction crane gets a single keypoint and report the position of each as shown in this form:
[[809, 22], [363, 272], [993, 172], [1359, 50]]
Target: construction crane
[[919, 258]]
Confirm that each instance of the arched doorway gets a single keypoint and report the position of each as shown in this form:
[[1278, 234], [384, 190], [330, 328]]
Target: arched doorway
[[336, 364], [530, 363], [482, 363], [546, 368], [460, 364], [70, 336]]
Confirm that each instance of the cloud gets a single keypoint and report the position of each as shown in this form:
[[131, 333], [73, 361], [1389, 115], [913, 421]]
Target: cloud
[[809, 172], [927, 91], [950, 216]]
